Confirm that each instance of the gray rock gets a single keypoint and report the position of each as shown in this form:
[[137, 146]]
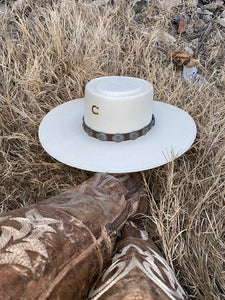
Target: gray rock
[[190, 75]]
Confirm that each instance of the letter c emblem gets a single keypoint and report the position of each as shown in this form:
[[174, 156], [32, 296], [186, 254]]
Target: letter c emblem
[[95, 109]]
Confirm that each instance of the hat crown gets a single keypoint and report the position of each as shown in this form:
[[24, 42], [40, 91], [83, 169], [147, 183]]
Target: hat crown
[[118, 104], [119, 86]]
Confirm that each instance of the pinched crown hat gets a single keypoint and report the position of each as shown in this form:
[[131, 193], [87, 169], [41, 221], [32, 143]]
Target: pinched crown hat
[[116, 128]]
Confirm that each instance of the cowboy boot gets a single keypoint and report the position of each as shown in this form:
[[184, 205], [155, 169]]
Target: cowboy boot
[[137, 271], [57, 249]]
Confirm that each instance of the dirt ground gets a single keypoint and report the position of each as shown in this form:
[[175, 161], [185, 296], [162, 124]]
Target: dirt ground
[[50, 50]]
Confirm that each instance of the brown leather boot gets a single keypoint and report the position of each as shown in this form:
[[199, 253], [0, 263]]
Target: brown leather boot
[[58, 248], [137, 271]]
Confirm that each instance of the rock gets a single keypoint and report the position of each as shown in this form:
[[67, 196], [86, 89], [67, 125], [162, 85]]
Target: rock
[[193, 2], [165, 37], [223, 14], [168, 4], [205, 15], [189, 51], [140, 6], [221, 21], [3, 8], [175, 19], [199, 25], [19, 3], [214, 5], [207, 12], [190, 75], [101, 2]]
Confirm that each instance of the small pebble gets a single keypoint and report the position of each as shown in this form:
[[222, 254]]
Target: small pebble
[[221, 21], [189, 51], [175, 19], [139, 6]]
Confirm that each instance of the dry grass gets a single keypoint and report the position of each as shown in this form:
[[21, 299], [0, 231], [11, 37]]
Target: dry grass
[[47, 56]]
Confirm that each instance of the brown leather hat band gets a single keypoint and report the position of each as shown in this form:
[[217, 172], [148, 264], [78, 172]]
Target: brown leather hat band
[[118, 137]]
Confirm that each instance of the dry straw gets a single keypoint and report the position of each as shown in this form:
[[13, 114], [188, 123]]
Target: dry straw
[[48, 54]]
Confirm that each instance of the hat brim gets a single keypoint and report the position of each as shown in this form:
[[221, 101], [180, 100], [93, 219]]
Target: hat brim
[[62, 136]]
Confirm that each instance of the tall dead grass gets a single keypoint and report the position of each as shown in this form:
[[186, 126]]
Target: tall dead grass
[[49, 53]]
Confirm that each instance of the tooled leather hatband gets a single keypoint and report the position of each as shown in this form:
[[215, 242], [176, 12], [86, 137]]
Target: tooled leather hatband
[[118, 137]]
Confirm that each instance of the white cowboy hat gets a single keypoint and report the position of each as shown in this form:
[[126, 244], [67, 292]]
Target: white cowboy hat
[[116, 128]]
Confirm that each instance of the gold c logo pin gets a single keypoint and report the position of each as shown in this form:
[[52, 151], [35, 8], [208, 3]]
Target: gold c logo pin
[[95, 109]]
